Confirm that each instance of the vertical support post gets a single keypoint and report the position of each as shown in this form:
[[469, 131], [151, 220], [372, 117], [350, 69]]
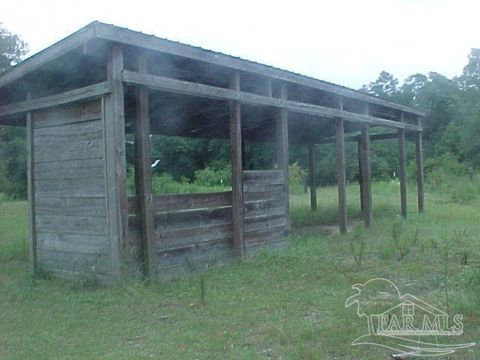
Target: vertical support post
[[237, 171], [341, 174], [312, 178], [282, 149], [32, 228], [366, 176], [143, 171], [114, 122], [360, 174], [402, 170], [420, 176], [366, 172]]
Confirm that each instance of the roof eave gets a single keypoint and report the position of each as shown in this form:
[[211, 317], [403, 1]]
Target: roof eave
[[126, 36], [45, 56]]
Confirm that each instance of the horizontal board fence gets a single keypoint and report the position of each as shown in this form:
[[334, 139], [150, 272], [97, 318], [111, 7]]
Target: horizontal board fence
[[193, 231]]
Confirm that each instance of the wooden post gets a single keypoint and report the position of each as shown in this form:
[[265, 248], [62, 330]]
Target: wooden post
[[366, 176], [114, 121], [143, 171], [237, 171], [341, 174], [312, 179], [360, 175], [402, 172], [420, 177], [365, 172], [282, 149], [32, 228]]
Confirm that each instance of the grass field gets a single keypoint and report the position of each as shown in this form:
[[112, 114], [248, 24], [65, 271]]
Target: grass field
[[287, 305]]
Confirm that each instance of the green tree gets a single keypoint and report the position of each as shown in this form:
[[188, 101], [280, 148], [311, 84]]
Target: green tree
[[12, 49], [13, 180], [385, 86]]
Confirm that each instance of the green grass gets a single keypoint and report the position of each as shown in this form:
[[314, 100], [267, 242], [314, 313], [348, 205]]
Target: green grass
[[287, 305]]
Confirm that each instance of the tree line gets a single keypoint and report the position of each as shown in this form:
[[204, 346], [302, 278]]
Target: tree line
[[450, 133]]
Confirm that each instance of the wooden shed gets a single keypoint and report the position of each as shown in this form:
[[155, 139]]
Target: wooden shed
[[80, 97]]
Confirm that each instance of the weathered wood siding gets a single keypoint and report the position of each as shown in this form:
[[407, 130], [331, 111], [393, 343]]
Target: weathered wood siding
[[192, 231], [70, 191], [266, 220]]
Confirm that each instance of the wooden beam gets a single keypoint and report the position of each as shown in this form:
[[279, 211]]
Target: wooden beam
[[237, 171], [420, 176], [373, 137], [213, 92], [116, 34], [114, 121], [32, 228], [402, 170], [80, 94], [341, 175], [143, 171], [282, 148], [311, 176]]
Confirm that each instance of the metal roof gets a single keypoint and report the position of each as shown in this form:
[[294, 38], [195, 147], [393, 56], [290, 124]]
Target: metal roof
[[98, 30]]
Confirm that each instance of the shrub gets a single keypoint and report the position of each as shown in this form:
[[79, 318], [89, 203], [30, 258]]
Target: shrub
[[452, 178], [213, 177], [164, 184], [296, 178]]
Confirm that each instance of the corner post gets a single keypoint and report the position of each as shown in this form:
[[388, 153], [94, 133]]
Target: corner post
[[282, 148], [341, 174], [143, 171], [237, 171], [32, 228], [420, 175], [116, 182], [402, 170], [312, 178]]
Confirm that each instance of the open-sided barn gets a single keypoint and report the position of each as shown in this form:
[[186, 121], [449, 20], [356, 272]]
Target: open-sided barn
[[80, 97]]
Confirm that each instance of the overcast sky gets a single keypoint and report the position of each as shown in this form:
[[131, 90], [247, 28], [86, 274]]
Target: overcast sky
[[347, 42]]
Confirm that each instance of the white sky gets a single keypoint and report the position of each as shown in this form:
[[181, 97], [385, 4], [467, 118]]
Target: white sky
[[347, 42]]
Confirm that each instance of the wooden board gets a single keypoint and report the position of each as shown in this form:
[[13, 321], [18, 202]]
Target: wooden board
[[85, 225], [87, 187], [172, 202], [70, 206], [75, 262], [187, 260], [68, 114], [82, 244], [79, 168]]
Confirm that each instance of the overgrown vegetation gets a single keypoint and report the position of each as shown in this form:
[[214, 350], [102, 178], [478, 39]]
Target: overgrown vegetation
[[285, 305]]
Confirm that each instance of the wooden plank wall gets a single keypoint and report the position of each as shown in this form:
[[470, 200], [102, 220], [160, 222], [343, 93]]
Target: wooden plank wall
[[70, 190], [266, 218], [192, 231]]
